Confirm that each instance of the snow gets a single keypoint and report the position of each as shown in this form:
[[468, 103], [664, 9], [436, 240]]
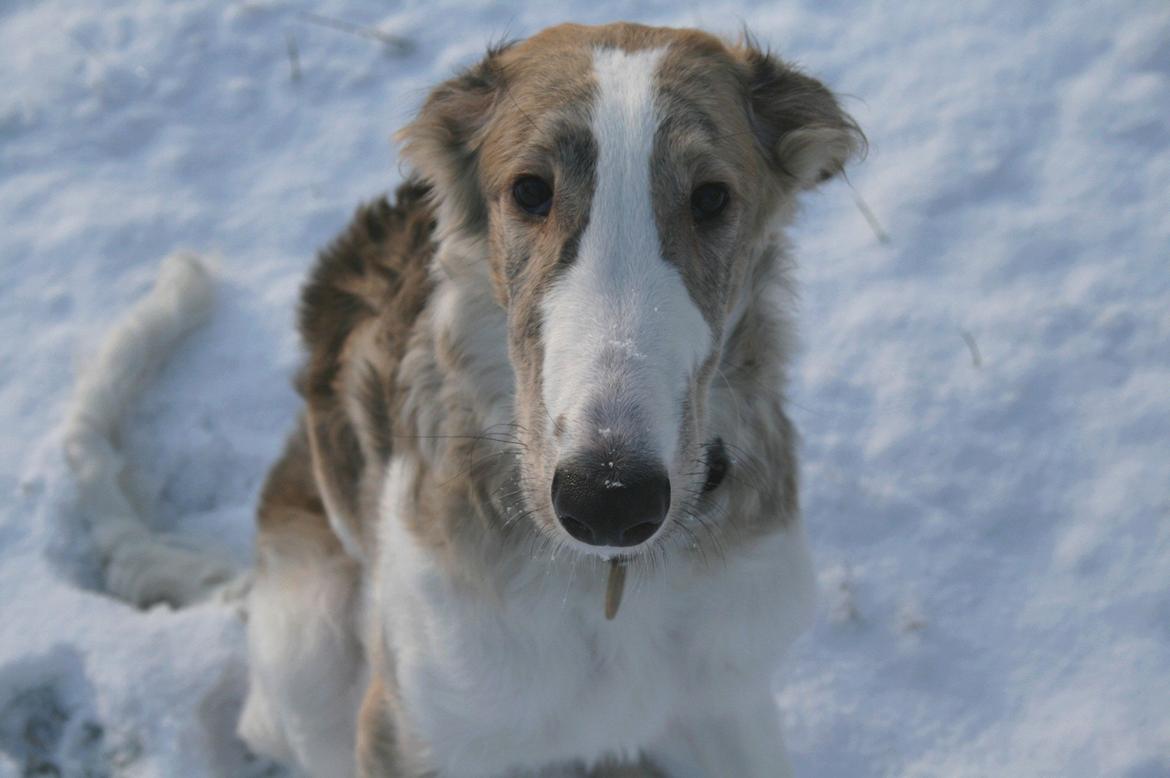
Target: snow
[[984, 395]]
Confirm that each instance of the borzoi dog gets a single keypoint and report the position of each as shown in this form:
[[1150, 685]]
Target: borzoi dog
[[539, 515]]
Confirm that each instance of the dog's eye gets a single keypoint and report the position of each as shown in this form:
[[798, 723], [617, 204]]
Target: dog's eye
[[533, 194], [708, 201]]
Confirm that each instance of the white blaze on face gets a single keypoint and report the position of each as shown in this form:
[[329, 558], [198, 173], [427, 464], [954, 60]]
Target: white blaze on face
[[620, 330]]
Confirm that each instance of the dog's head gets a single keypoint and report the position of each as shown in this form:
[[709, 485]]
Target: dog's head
[[621, 180]]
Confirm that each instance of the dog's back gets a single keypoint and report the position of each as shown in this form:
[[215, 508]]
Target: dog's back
[[357, 314]]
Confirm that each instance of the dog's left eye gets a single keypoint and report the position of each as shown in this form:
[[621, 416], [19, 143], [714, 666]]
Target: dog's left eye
[[708, 201], [533, 194]]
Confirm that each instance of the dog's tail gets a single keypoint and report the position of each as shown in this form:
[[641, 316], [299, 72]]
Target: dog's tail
[[139, 564]]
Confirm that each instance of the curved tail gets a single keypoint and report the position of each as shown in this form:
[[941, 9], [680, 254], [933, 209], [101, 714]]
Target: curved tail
[[140, 565]]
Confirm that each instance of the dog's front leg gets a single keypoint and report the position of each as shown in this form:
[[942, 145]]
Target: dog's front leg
[[747, 744], [377, 751]]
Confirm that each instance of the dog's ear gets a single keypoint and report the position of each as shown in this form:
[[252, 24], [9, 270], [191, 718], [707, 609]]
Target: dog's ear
[[805, 134], [443, 143]]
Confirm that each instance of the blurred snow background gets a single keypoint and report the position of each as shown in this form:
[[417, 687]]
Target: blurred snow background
[[984, 391]]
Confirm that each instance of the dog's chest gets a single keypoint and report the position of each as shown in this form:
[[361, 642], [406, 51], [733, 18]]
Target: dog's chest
[[538, 671]]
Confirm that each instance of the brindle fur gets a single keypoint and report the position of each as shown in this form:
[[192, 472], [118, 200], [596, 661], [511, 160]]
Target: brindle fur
[[358, 311]]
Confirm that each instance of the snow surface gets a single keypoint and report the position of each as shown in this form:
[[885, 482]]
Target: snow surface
[[984, 391]]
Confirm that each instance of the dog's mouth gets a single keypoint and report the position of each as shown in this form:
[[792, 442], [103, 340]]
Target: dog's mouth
[[623, 542], [718, 464]]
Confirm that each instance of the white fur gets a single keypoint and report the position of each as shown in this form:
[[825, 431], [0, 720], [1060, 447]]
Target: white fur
[[307, 673], [140, 565], [521, 669], [465, 312], [620, 327]]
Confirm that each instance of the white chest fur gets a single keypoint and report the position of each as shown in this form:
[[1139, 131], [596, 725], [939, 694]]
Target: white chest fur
[[523, 670]]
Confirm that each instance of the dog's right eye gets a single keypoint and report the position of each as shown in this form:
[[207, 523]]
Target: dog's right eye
[[533, 194], [708, 201]]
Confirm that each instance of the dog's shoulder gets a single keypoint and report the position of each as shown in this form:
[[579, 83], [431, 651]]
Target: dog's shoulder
[[358, 310], [376, 273]]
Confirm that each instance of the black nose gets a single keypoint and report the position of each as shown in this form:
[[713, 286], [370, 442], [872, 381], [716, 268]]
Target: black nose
[[609, 503]]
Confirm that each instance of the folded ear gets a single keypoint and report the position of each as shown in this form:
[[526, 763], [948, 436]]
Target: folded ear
[[443, 143], [798, 121]]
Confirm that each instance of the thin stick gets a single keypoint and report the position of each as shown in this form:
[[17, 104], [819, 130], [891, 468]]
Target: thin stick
[[294, 57], [613, 589], [973, 347], [874, 224], [385, 38]]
